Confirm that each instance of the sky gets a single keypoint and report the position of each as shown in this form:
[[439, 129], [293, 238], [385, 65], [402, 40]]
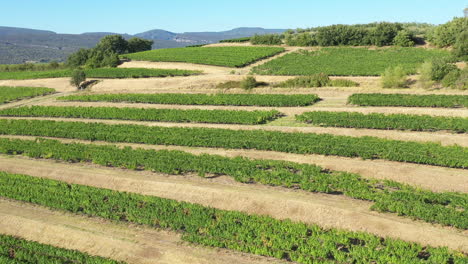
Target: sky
[[135, 16]]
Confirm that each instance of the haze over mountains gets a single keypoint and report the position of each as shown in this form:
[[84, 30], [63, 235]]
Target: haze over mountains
[[19, 45]]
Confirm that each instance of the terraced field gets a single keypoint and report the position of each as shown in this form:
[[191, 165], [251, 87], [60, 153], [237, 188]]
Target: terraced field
[[174, 171], [348, 61]]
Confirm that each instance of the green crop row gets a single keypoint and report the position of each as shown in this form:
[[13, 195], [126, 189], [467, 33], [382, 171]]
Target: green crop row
[[348, 61], [410, 100], [17, 250], [275, 100], [442, 208], [97, 73], [220, 56], [301, 143], [236, 40], [384, 121], [141, 114], [261, 235], [8, 94]]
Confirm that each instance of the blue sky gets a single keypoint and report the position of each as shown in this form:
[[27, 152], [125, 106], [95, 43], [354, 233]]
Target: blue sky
[[134, 16]]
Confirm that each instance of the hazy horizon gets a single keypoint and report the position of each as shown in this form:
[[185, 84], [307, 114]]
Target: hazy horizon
[[209, 15]]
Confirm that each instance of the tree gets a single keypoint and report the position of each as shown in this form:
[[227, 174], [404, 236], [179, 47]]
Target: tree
[[384, 33], [78, 76], [115, 43], [394, 77], [78, 58], [460, 49], [446, 35], [139, 44], [404, 39]]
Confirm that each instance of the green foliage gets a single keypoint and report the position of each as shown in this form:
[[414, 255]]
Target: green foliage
[[409, 100], [77, 77], [460, 48], [8, 94], [382, 121], [97, 73], [440, 68], [338, 35], [237, 40], [446, 35], [384, 33], [262, 235], [315, 80], [462, 81], [425, 72], [107, 51], [268, 39], [306, 177], [348, 61], [404, 39], [301, 40], [221, 56], [450, 80], [394, 77], [139, 44], [299, 143], [343, 83], [141, 114], [276, 100], [17, 250], [31, 67], [248, 83]]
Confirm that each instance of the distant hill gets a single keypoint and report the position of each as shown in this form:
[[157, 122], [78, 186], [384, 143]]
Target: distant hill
[[19, 45]]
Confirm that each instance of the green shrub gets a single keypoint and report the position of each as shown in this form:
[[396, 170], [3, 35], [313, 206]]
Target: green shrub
[[446, 35], [451, 78], [394, 77], [77, 77], [425, 71], [301, 40], [404, 39], [440, 68], [248, 83], [460, 49], [269, 39], [462, 82], [343, 83]]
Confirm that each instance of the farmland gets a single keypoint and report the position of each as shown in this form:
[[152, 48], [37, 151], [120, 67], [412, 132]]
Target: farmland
[[348, 61], [23, 251], [220, 56], [409, 100], [278, 100], [166, 115], [96, 73], [8, 94], [300, 169], [381, 121], [212, 227]]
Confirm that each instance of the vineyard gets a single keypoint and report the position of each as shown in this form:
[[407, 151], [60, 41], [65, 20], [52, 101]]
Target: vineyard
[[219, 56], [382, 121], [348, 61], [267, 159], [16, 250], [9, 94], [390, 197], [261, 235], [140, 114], [301, 143], [96, 73], [274, 100], [409, 100]]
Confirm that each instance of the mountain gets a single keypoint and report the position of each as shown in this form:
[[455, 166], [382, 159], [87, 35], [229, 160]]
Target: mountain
[[19, 45]]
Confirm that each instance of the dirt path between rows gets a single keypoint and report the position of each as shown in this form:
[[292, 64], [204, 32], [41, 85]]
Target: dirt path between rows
[[444, 138], [437, 179], [129, 243], [326, 210]]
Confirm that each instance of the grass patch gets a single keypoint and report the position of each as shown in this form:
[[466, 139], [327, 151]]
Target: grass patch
[[8, 94]]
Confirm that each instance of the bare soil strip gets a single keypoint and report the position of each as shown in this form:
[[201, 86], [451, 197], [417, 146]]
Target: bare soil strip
[[326, 210], [129, 243], [59, 84], [445, 138], [437, 179]]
